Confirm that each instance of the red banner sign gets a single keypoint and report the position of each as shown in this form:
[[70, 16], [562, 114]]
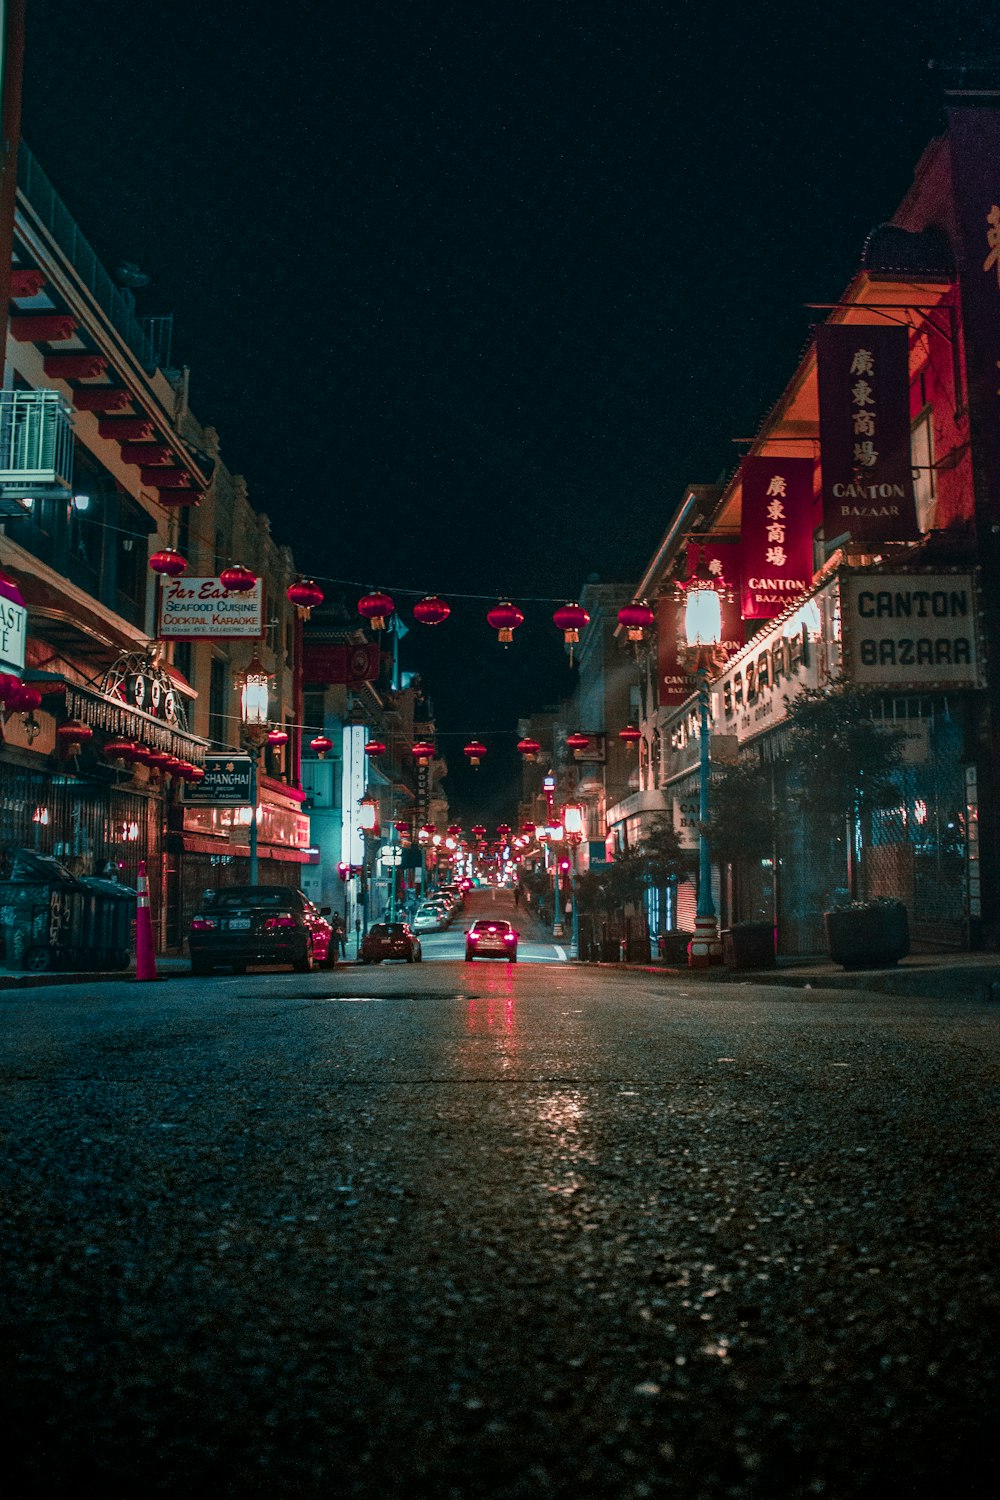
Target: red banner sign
[[351, 664], [864, 423], [722, 558], [776, 542]]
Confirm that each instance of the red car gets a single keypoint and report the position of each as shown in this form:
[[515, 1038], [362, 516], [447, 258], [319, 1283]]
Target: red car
[[491, 937]]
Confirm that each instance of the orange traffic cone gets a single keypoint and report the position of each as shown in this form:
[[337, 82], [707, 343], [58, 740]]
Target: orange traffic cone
[[145, 958]]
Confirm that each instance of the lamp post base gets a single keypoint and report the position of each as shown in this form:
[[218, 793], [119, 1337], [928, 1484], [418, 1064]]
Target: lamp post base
[[705, 948], [558, 930]]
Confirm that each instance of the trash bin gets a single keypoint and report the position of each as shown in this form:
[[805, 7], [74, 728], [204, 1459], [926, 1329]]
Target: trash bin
[[748, 945], [50, 919]]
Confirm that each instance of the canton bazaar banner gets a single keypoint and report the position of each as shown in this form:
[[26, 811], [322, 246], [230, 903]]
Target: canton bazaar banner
[[864, 424], [202, 608], [974, 141], [675, 683], [911, 630], [776, 543]]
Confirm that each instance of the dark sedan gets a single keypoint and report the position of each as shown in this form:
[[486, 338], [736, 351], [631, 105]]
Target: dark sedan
[[260, 924], [390, 940]]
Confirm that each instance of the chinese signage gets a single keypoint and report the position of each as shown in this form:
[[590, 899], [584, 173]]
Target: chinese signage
[[353, 776], [198, 608], [864, 420], [974, 134], [910, 630], [675, 682], [776, 541], [352, 663], [227, 783], [13, 625]]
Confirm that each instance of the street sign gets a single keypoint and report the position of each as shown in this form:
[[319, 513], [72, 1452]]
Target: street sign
[[226, 783]]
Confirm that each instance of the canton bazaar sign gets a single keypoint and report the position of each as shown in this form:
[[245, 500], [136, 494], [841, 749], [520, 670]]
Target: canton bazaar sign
[[911, 630], [202, 608]]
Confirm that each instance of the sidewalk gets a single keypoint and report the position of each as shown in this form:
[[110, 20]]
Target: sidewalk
[[956, 976]]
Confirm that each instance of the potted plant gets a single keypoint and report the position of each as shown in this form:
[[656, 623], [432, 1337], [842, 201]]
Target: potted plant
[[748, 945], [868, 934]]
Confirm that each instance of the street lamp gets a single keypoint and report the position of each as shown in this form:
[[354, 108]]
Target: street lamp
[[574, 822], [368, 822], [254, 693], [703, 653]]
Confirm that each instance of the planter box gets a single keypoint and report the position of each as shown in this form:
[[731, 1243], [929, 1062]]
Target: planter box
[[875, 938], [672, 947], [748, 945]]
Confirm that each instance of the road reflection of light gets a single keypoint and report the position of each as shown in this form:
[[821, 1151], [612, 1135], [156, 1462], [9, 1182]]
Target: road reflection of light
[[563, 1118]]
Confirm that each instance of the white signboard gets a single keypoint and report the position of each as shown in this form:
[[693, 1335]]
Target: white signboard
[[910, 630], [13, 633], [200, 608], [686, 822]]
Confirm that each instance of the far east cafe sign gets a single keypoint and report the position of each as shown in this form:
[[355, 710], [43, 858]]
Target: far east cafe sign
[[200, 608]]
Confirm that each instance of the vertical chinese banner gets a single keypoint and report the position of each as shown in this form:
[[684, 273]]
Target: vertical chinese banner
[[864, 423], [974, 137], [776, 542], [675, 684]]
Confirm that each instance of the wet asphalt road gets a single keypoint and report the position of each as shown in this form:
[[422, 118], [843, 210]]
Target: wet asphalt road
[[448, 1230]]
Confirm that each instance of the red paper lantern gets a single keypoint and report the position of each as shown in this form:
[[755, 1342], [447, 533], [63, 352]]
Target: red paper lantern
[[636, 617], [529, 748], [376, 608], [455, 830], [24, 699], [503, 830], [504, 618], [630, 735], [197, 774], [169, 562], [237, 579], [474, 750], [375, 747], [431, 611], [10, 690], [577, 741], [478, 830], [276, 738], [570, 619], [306, 595], [122, 752], [73, 736], [402, 827], [528, 828], [423, 752], [319, 745]]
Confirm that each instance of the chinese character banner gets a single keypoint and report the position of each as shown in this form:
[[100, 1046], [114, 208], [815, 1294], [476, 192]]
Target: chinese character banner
[[776, 540], [864, 423]]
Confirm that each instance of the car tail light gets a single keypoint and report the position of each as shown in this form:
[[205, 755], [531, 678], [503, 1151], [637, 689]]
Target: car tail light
[[270, 923], [202, 924], [473, 937], [509, 937]]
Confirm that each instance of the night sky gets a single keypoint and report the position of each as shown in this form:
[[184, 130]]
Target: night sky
[[471, 291]]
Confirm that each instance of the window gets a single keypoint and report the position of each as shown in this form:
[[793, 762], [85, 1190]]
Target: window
[[922, 458], [184, 659], [218, 703]]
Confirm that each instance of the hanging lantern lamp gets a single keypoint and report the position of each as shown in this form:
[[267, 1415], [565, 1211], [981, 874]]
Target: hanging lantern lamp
[[529, 748], [504, 618], [28, 699], [431, 611], [478, 830], [306, 595], [168, 563], [73, 736], [503, 830], [455, 830], [320, 744], [570, 619], [630, 735], [577, 741], [122, 752], [474, 752], [376, 609], [637, 618], [375, 747], [528, 828], [237, 579], [423, 752], [276, 738]]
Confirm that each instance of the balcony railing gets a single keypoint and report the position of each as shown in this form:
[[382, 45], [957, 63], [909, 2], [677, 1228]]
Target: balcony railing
[[36, 444], [117, 302]]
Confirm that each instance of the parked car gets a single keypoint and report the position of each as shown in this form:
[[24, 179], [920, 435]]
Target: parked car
[[443, 907], [429, 919], [260, 924], [390, 940], [491, 937]]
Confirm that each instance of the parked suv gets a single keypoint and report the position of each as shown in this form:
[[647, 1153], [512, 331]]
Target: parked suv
[[260, 924]]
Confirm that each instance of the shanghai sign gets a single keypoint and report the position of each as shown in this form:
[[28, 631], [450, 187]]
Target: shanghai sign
[[227, 783]]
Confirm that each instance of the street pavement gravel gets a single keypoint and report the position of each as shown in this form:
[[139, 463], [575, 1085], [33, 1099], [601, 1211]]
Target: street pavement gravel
[[453, 1231]]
